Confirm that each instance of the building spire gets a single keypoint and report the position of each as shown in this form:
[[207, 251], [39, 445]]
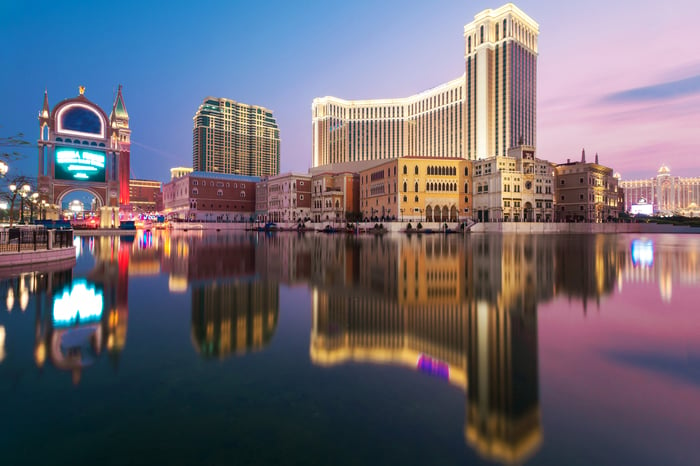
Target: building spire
[[119, 109], [45, 108], [596, 158], [583, 155]]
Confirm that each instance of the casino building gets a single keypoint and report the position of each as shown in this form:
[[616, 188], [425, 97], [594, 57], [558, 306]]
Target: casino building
[[487, 111], [82, 149]]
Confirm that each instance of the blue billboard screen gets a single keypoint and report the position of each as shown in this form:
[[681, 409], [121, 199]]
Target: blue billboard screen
[[79, 164]]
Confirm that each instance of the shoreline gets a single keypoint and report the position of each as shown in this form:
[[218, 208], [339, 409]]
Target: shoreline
[[428, 228]]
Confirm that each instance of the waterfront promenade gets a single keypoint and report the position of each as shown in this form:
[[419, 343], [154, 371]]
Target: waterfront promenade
[[484, 227]]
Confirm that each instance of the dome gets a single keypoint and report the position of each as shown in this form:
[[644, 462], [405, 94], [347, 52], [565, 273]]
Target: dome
[[664, 170]]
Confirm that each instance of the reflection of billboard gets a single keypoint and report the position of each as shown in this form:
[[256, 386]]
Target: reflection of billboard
[[433, 367], [81, 303], [79, 164], [643, 252]]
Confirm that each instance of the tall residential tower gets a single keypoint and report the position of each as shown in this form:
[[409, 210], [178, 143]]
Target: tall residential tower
[[489, 109], [234, 138]]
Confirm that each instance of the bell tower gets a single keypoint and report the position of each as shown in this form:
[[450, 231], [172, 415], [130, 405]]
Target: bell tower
[[121, 144]]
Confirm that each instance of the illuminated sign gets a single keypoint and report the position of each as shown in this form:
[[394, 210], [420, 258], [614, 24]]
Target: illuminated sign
[[642, 253], [433, 367], [81, 303], [79, 164], [642, 207]]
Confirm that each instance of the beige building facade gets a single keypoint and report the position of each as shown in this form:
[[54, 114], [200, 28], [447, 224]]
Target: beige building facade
[[516, 188], [417, 189]]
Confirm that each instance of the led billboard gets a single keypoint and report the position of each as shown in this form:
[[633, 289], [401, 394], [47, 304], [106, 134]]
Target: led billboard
[[79, 164]]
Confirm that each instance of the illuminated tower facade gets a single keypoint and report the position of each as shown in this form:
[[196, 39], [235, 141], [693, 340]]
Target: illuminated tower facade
[[483, 113], [81, 149], [121, 141], [235, 138], [501, 82]]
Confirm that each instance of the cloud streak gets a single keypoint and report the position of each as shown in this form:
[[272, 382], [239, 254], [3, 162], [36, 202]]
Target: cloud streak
[[661, 91]]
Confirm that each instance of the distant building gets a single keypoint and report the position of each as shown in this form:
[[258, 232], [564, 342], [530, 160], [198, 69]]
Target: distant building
[[485, 112], [178, 172], [234, 138], [210, 197], [516, 188], [586, 192], [335, 197], [666, 193], [145, 196], [288, 198]]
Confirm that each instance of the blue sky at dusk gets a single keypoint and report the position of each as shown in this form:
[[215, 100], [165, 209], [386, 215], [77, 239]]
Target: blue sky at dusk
[[618, 78]]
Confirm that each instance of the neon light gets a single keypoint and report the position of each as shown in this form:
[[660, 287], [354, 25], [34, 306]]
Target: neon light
[[81, 304], [59, 119]]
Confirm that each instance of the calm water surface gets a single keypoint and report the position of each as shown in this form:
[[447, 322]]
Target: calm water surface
[[217, 349]]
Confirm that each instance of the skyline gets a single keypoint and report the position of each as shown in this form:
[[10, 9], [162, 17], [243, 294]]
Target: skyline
[[629, 90]]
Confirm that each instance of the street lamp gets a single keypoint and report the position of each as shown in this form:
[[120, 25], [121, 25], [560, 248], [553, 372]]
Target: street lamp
[[3, 168], [34, 198]]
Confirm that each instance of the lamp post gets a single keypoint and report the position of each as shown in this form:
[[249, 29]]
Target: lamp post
[[23, 192], [34, 198], [401, 214], [3, 168]]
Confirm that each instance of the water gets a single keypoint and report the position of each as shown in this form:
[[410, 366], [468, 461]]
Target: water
[[213, 349]]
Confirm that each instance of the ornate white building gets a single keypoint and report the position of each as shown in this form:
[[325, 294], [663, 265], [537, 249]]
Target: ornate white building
[[668, 194]]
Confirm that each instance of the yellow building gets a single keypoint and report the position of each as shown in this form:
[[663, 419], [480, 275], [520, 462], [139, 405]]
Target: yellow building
[[417, 189]]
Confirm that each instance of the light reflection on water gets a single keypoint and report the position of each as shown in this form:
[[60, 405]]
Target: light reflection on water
[[465, 310]]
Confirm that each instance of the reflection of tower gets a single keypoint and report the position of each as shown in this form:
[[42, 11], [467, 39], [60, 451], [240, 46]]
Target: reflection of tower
[[119, 310], [503, 414], [235, 316]]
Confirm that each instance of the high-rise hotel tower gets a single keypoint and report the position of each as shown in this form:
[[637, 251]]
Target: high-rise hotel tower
[[486, 111], [235, 138]]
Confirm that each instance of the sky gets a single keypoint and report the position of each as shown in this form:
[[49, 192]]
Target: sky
[[621, 79]]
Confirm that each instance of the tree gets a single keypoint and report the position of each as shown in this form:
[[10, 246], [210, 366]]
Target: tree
[[9, 146], [11, 196]]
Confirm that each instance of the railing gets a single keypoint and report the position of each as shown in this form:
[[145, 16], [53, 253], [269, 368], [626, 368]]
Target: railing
[[34, 239]]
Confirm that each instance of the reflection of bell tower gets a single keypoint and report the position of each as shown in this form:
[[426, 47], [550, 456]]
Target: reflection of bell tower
[[121, 142], [503, 413]]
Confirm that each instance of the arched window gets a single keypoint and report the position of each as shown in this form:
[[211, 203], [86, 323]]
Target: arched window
[[415, 170], [405, 169], [496, 31], [415, 199], [243, 194], [195, 191], [466, 171], [405, 187], [416, 186], [466, 187], [220, 193], [481, 41], [469, 44]]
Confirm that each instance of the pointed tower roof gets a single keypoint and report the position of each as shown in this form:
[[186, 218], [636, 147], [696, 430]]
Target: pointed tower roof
[[596, 157], [583, 155], [45, 110], [119, 109]]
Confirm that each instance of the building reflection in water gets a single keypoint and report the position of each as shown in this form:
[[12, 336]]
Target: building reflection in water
[[233, 309], [79, 318], [462, 310]]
